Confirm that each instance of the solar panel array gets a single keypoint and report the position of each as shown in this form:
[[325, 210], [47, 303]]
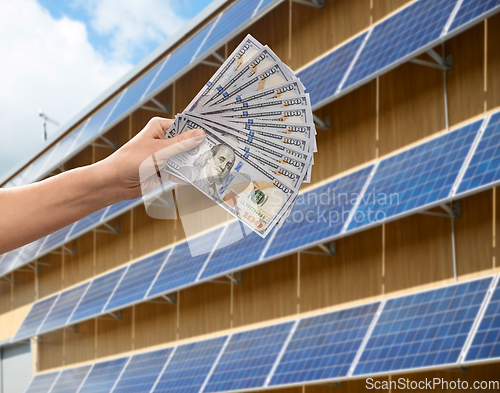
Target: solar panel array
[[420, 177], [364, 57], [418, 331]]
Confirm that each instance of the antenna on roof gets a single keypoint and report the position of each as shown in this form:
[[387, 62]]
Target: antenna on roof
[[45, 120]]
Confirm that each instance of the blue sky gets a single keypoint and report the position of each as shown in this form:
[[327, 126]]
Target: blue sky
[[60, 55]]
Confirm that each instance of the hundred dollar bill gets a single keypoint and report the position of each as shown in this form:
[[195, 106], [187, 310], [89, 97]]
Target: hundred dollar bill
[[240, 56], [233, 181]]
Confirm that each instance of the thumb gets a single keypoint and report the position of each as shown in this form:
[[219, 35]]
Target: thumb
[[181, 143]]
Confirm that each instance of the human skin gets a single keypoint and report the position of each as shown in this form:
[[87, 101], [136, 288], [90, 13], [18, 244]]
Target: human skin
[[30, 212]]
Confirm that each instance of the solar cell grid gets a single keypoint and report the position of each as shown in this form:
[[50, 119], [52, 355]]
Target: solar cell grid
[[189, 366], [486, 341], [42, 383], [103, 376], [400, 36], [473, 9], [142, 371], [35, 318], [87, 222], [324, 347], [56, 239], [484, 167], [120, 206], [319, 214], [415, 178], [94, 300], [8, 260], [248, 358], [70, 380], [423, 330], [63, 308], [28, 252], [136, 281]]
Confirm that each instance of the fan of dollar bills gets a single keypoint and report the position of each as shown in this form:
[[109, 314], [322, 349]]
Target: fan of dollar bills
[[260, 138]]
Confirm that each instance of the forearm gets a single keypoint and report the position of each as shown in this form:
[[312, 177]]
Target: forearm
[[36, 210]]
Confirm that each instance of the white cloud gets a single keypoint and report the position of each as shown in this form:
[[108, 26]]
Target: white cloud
[[132, 23], [45, 63]]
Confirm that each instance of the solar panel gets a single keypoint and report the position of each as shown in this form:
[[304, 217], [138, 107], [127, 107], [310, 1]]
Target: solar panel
[[324, 76], [56, 239], [94, 300], [8, 260], [324, 347], [423, 330], [42, 383], [239, 252], [70, 380], [35, 318], [136, 281], [232, 18], [416, 178], [401, 36], [484, 167], [86, 222], [63, 308], [142, 371], [248, 358], [471, 10], [28, 252], [319, 214], [182, 268], [264, 4], [180, 58], [120, 206], [103, 376], [189, 366], [486, 342]]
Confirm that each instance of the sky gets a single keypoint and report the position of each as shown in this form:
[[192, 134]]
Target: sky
[[60, 55]]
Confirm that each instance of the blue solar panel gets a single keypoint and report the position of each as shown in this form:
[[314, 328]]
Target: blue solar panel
[[401, 35], [28, 253], [103, 376], [70, 380], [87, 222], [133, 94], [42, 383], [182, 268], [423, 330], [97, 295], [63, 308], [8, 260], [323, 77], [35, 318], [264, 4], [319, 214], [239, 252], [473, 9], [56, 239], [232, 18], [486, 341], [484, 167], [137, 280], [180, 58], [325, 346], [189, 366], [120, 206], [142, 372], [248, 359], [415, 178]]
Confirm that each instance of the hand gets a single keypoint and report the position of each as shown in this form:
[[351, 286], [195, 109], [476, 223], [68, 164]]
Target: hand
[[136, 165]]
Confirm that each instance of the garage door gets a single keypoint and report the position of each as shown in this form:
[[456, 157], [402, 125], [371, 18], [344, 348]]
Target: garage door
[[16, 366]]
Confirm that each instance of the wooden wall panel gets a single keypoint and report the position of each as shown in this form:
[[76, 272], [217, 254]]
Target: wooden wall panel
[[474, 233], [115, 336], [80, 346], [51, 350], [354, 273], [113, 250], [345, 387], [5, 296], [23, 289], [79, 267], [204, 309], [50, 277], [154, 324], [190, 84], [266, 292], [493, 62], [351, 141], [411, 105], [382, 8], [466, 79], [417, 251]]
